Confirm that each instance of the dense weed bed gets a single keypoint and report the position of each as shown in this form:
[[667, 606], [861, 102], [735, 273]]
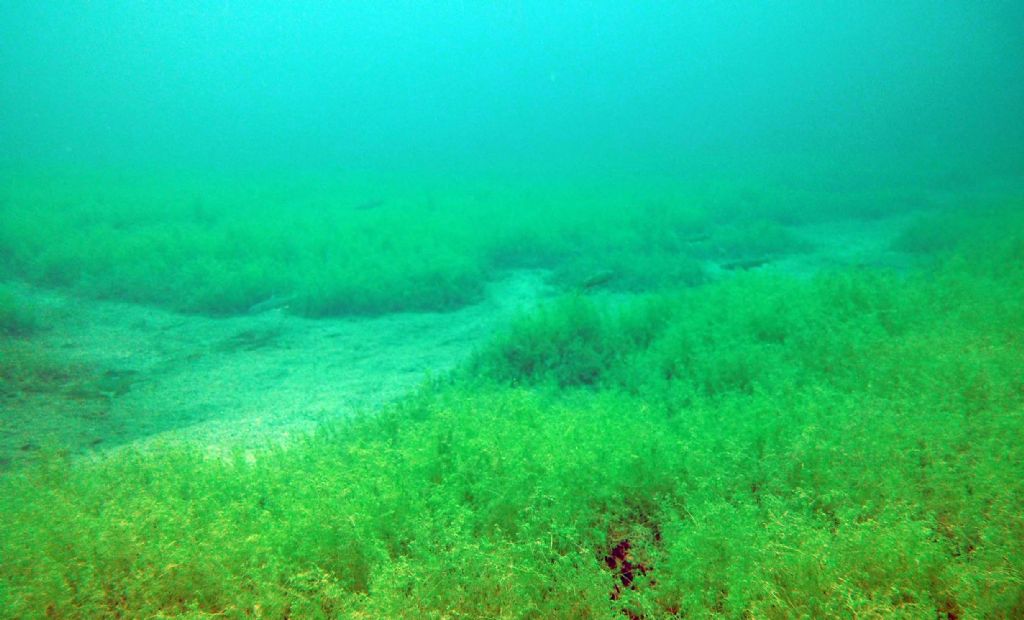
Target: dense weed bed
[[760, 447], [369, 246]]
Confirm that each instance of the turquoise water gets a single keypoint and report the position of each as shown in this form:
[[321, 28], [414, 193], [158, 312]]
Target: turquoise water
[[511, 310], [795, 88]]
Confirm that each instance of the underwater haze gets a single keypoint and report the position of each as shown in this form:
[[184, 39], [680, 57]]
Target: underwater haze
[[400, 309], [524, 88]]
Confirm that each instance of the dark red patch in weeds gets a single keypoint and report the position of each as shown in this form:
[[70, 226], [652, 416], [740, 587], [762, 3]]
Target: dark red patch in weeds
[[623, 565], [630, 561], [948, 610]]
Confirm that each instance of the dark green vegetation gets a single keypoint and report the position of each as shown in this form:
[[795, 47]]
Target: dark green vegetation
[[758, 447], [366, 246], [16, 317], [23, 366]]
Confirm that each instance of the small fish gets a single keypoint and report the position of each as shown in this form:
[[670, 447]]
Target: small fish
[[745, 264], [274, 302], [597, 280]]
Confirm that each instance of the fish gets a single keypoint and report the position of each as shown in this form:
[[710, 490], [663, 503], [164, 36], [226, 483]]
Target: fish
[[274, 302]]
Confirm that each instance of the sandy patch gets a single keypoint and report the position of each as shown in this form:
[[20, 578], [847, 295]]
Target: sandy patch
[[156, 376], [239, 381]]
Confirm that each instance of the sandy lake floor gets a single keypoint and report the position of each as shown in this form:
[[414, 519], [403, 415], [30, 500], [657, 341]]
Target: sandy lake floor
[[158, 376]]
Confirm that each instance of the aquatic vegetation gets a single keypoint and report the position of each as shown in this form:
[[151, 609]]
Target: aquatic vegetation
[[23, 367], [567, 344], [260, 270], [17, 318], [943, 232], [760, 239], [178, 243], [148, 242], [826, 448], [628, 270]]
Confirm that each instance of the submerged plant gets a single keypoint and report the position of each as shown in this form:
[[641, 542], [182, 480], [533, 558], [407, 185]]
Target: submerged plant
[[756, 447]]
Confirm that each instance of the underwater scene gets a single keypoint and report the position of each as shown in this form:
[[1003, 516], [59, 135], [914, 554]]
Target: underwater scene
[[402, 309]]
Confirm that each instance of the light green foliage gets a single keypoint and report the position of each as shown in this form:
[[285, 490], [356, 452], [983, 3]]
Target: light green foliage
[[357, 245], [237, 245], [844, 447], [351, 246], [362, 245]]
